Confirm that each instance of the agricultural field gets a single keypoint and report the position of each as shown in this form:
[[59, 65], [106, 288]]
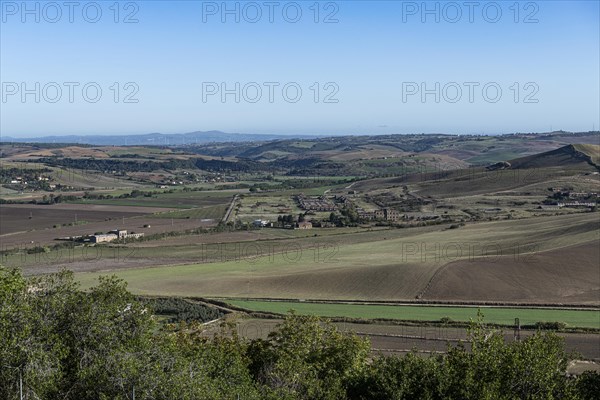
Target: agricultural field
[[564, 273], [494, 315], [389, 337], [214, 212], [464, 237], [177, 199], [377, 265], [27, 217]]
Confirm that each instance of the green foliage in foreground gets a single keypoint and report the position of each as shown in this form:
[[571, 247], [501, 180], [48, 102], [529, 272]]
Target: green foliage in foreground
[[104, 344]]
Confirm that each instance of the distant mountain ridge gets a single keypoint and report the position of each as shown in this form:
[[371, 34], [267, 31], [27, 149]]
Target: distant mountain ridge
[[162, 139]]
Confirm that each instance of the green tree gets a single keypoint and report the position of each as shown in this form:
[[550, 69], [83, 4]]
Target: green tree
[[307, 358]]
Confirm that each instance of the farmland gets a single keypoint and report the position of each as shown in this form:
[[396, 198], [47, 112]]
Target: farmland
[[465, 233], [177, 199], [381, 265], [24, 217], [497, 315], [394, 337]]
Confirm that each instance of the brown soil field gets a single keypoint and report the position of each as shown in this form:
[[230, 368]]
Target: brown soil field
[[377, 282], [132, 224], [15, 217], [566, 275]]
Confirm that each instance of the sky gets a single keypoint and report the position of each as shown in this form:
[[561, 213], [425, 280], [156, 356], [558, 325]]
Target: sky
[[305, 67]]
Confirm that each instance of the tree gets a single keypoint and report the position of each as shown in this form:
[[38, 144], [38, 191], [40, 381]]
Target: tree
[[104, 344], [332, 217], [307, 359]]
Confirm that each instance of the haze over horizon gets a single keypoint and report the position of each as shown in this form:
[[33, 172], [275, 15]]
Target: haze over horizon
[[361, 68]]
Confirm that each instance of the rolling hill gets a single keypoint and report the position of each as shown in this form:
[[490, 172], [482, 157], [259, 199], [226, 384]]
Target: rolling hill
[[572, 154]]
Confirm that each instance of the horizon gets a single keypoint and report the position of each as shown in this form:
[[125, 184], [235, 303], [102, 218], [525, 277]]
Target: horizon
[[348, 68], [275, 136]]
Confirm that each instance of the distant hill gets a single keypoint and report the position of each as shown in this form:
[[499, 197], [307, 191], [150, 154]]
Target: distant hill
[[566, 155], [160, 139]]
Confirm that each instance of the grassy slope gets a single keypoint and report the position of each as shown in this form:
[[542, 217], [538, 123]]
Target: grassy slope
[[398, 267], [592, 150]]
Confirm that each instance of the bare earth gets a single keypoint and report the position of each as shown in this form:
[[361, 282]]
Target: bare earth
[[565, 275], [16, 217]]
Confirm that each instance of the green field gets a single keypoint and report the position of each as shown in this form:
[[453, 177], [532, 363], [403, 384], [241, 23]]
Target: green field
[[177, 199], [504, 316], [209, 212]]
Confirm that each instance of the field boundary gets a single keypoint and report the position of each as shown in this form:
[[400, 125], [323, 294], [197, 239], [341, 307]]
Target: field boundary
[[440, 303]]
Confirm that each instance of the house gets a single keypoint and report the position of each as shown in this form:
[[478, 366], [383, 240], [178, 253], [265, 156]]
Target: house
[[104, 238], [115, 235], [305, 225], [121, 233], [261, 223], [391, 215]]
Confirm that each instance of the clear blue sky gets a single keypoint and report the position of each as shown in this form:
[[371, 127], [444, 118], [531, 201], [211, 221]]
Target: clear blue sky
[[376, 56]]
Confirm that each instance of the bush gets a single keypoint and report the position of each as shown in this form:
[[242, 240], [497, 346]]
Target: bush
[[550, 326], [181, 310]]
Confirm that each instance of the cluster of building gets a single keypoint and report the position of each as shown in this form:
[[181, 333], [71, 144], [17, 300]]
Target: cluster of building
[[263, 223], [315, 203], [384, 214], [343, 200], [387, 214], [113, 235], [582, 194], [567, 198], [33, 181], [576, 204]]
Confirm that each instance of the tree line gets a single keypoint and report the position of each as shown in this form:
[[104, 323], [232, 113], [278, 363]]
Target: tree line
[[59, 342]]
